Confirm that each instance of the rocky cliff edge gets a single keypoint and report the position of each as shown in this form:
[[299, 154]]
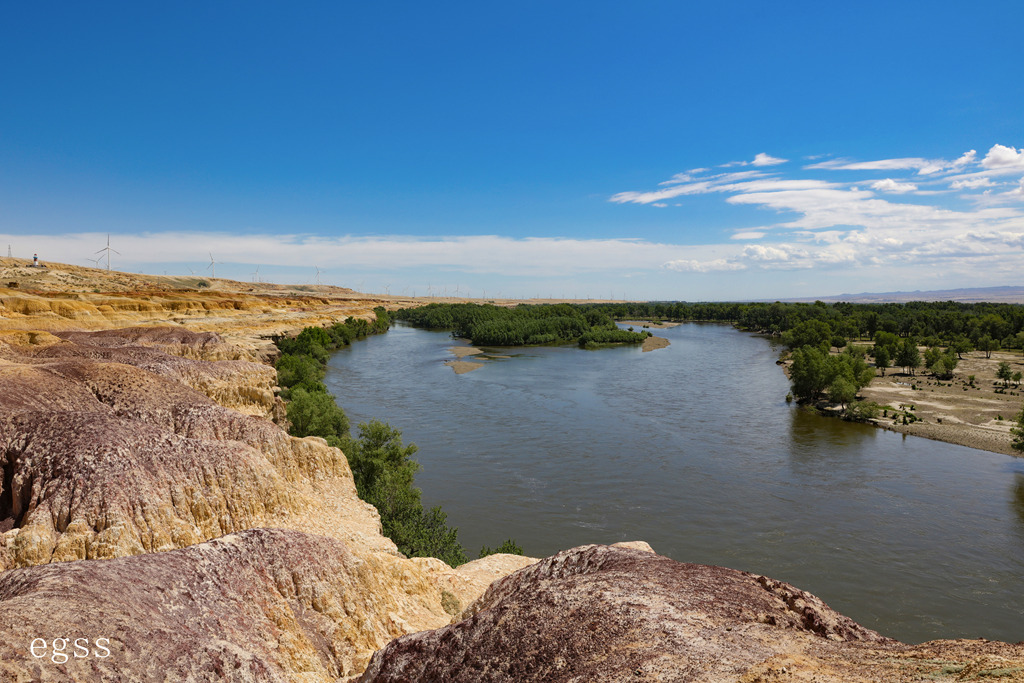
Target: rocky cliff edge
[[112, 445]]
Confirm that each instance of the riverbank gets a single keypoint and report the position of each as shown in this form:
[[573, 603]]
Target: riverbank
[[977, 413]]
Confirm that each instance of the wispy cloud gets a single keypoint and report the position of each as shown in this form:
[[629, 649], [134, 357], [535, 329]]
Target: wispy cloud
[[890, 185], [692, 266], [971, 183], [760, 159], [871, 222], [533, 256], [763, 159], [922, 166]]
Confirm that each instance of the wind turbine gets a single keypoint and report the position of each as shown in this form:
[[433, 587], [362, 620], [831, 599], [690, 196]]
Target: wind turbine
[[107, 249], [212, 266], [317, 278], [96, 261], [256, 275]]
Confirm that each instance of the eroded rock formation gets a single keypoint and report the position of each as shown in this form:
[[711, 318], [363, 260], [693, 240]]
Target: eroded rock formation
[[131, 445], [108, 452], [110, 446], [601, 613], [259, 605]]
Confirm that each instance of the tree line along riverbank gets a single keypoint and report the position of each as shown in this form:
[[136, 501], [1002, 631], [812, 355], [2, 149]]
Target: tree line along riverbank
[[381, 464], [837, 359], [956, 367], [839, 355]]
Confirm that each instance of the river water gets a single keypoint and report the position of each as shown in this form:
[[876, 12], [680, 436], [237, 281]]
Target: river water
[[693, 449]]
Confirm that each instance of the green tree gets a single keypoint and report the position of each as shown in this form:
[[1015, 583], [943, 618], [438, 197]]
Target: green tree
[[961, 346], [888, 341], [944, 366], [379, 450], [810, 373], [1004, 372], [871, 323], [300, 371], [384, 471], [1018, 432], [842, 391], [882, 359], [816, 333], [908, 357], [988, 345], [314, 413]]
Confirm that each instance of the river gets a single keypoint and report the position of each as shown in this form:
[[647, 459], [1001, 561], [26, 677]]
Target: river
[[693, 449]]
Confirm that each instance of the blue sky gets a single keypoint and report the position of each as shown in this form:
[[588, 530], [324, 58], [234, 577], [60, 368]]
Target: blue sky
[[656, 150]]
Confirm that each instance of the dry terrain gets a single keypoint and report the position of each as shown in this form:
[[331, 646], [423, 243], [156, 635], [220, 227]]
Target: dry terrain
[[978, 414], [155, 516]]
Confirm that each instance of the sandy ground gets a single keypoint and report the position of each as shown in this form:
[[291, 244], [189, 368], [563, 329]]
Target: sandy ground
[[463, 351], [652, 343], [648, 323], [978, 415], [463, 366]]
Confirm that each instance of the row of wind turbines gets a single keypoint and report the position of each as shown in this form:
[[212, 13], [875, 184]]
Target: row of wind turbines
[[255, 275], [212, 267]]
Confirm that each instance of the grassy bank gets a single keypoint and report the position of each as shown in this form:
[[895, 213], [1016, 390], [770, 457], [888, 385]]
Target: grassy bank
[[381, 463]]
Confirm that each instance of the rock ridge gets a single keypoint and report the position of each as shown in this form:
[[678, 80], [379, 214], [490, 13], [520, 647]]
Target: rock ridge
[[601, 613], [112, 445]]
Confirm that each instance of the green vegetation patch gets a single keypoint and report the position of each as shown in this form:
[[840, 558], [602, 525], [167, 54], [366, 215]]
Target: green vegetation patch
[[382, 465], [523, 325]]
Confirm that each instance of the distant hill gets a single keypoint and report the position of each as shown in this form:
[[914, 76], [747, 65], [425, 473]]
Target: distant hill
[[1012, 295]]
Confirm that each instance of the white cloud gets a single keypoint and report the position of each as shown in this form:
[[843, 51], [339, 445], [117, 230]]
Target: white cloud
[[760, 252], [921, 165], [487, 254], [763, 159], [715, 183], [679, 178], [848, 225], [890, 185], [774, 185], [661, 195], [693, 266], [1003, 158], [910, 163], [760, 159], [971, 183], [965, 158]]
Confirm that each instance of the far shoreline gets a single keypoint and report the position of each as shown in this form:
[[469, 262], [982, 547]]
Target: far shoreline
[[945, 410]]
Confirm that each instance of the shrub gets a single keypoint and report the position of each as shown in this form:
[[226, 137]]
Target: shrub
[[509, 547], [863, 411], [1018, 432], [300, 371], [383, 471], [314, 413]]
